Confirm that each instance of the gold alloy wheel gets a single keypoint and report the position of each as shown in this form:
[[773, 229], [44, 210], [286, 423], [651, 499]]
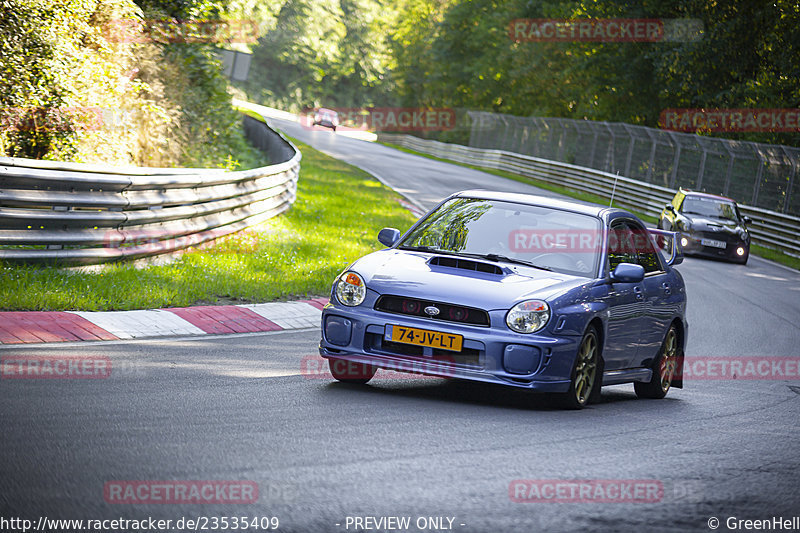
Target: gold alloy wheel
[[586, 368], [669, 359]]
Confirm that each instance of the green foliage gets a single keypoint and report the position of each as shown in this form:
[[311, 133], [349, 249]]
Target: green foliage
[[747, 57], [324, 52], [54, 61], [72, 91], [458, 53]]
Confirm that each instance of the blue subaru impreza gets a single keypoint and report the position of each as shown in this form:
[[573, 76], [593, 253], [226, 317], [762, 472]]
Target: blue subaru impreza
[[518, 290]]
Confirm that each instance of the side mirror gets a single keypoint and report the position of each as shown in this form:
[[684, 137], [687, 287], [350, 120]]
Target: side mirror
[[669, 207], [628, 273], [389, 236]]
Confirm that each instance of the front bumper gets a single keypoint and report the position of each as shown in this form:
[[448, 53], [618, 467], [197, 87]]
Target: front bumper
[[489, 354], [694, 246]]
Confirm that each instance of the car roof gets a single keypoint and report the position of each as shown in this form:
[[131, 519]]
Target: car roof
[[544, 201], [325, 110], [689, 192]]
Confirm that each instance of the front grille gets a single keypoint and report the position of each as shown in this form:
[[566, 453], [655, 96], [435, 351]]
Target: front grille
[[377, 344], [447, 312], [723, 236]]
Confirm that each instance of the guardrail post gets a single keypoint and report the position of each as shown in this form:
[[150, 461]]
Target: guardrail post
[[562, 139], [629, 159], [702, 170], [594, 147], [792, 174], [505, 132], [729, 171], [757, 185], [610, 164], [652, 163]]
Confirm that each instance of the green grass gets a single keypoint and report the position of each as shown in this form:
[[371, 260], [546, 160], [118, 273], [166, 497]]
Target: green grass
[[761, 251], [335, 220], [775, 255]]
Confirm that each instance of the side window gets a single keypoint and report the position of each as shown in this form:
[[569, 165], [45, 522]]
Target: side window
[[648, 257], [621, 247]]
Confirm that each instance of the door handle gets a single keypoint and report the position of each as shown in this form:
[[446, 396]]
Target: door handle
[[638, 291], [666, 288]]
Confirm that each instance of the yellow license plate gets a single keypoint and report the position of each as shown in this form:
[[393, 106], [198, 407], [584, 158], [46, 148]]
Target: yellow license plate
[[423, 337]]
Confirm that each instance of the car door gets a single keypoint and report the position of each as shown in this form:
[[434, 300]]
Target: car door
[[657, 310], [625, 301]]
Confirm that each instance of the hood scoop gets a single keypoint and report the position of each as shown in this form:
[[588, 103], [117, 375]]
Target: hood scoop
[[465, 264]]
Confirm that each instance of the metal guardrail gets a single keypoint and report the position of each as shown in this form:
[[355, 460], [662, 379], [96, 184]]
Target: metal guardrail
[[761, 175], [78, 214], [769, 228]]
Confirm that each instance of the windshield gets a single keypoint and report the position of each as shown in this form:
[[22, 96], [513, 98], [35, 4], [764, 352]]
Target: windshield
[[540, 237], [709, 207]]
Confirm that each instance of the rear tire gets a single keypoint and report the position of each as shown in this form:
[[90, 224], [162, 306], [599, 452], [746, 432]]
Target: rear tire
[[663, 368], [585, 382], [350, 371]]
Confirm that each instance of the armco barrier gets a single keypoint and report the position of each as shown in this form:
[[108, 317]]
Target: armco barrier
[[770, 229], [73, 214]]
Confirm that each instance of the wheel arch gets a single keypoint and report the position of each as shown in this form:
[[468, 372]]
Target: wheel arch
[[600, 328], [680, 329]]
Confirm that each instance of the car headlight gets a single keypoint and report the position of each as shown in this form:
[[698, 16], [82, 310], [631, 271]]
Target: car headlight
[[351, 289], [528, 316]]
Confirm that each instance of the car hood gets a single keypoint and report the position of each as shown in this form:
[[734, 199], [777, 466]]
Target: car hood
[[720, 224], [406, 273]]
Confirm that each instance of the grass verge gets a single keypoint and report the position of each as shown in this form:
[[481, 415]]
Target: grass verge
[[761, 251], [335, 220]]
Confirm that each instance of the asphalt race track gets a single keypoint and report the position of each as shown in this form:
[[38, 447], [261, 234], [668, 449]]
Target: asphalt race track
[[442, 453]]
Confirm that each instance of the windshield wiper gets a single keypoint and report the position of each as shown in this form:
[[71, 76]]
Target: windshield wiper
[[429, 249], [506, 259]]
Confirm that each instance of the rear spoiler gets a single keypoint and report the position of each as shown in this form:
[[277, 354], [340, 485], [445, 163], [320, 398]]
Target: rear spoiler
[[667, 241]]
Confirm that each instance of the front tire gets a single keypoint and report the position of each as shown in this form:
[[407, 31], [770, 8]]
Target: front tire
[[584, 382], [663, 368], [350, 371]]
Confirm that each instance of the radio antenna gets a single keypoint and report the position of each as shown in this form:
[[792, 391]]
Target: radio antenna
[[614, 190]]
